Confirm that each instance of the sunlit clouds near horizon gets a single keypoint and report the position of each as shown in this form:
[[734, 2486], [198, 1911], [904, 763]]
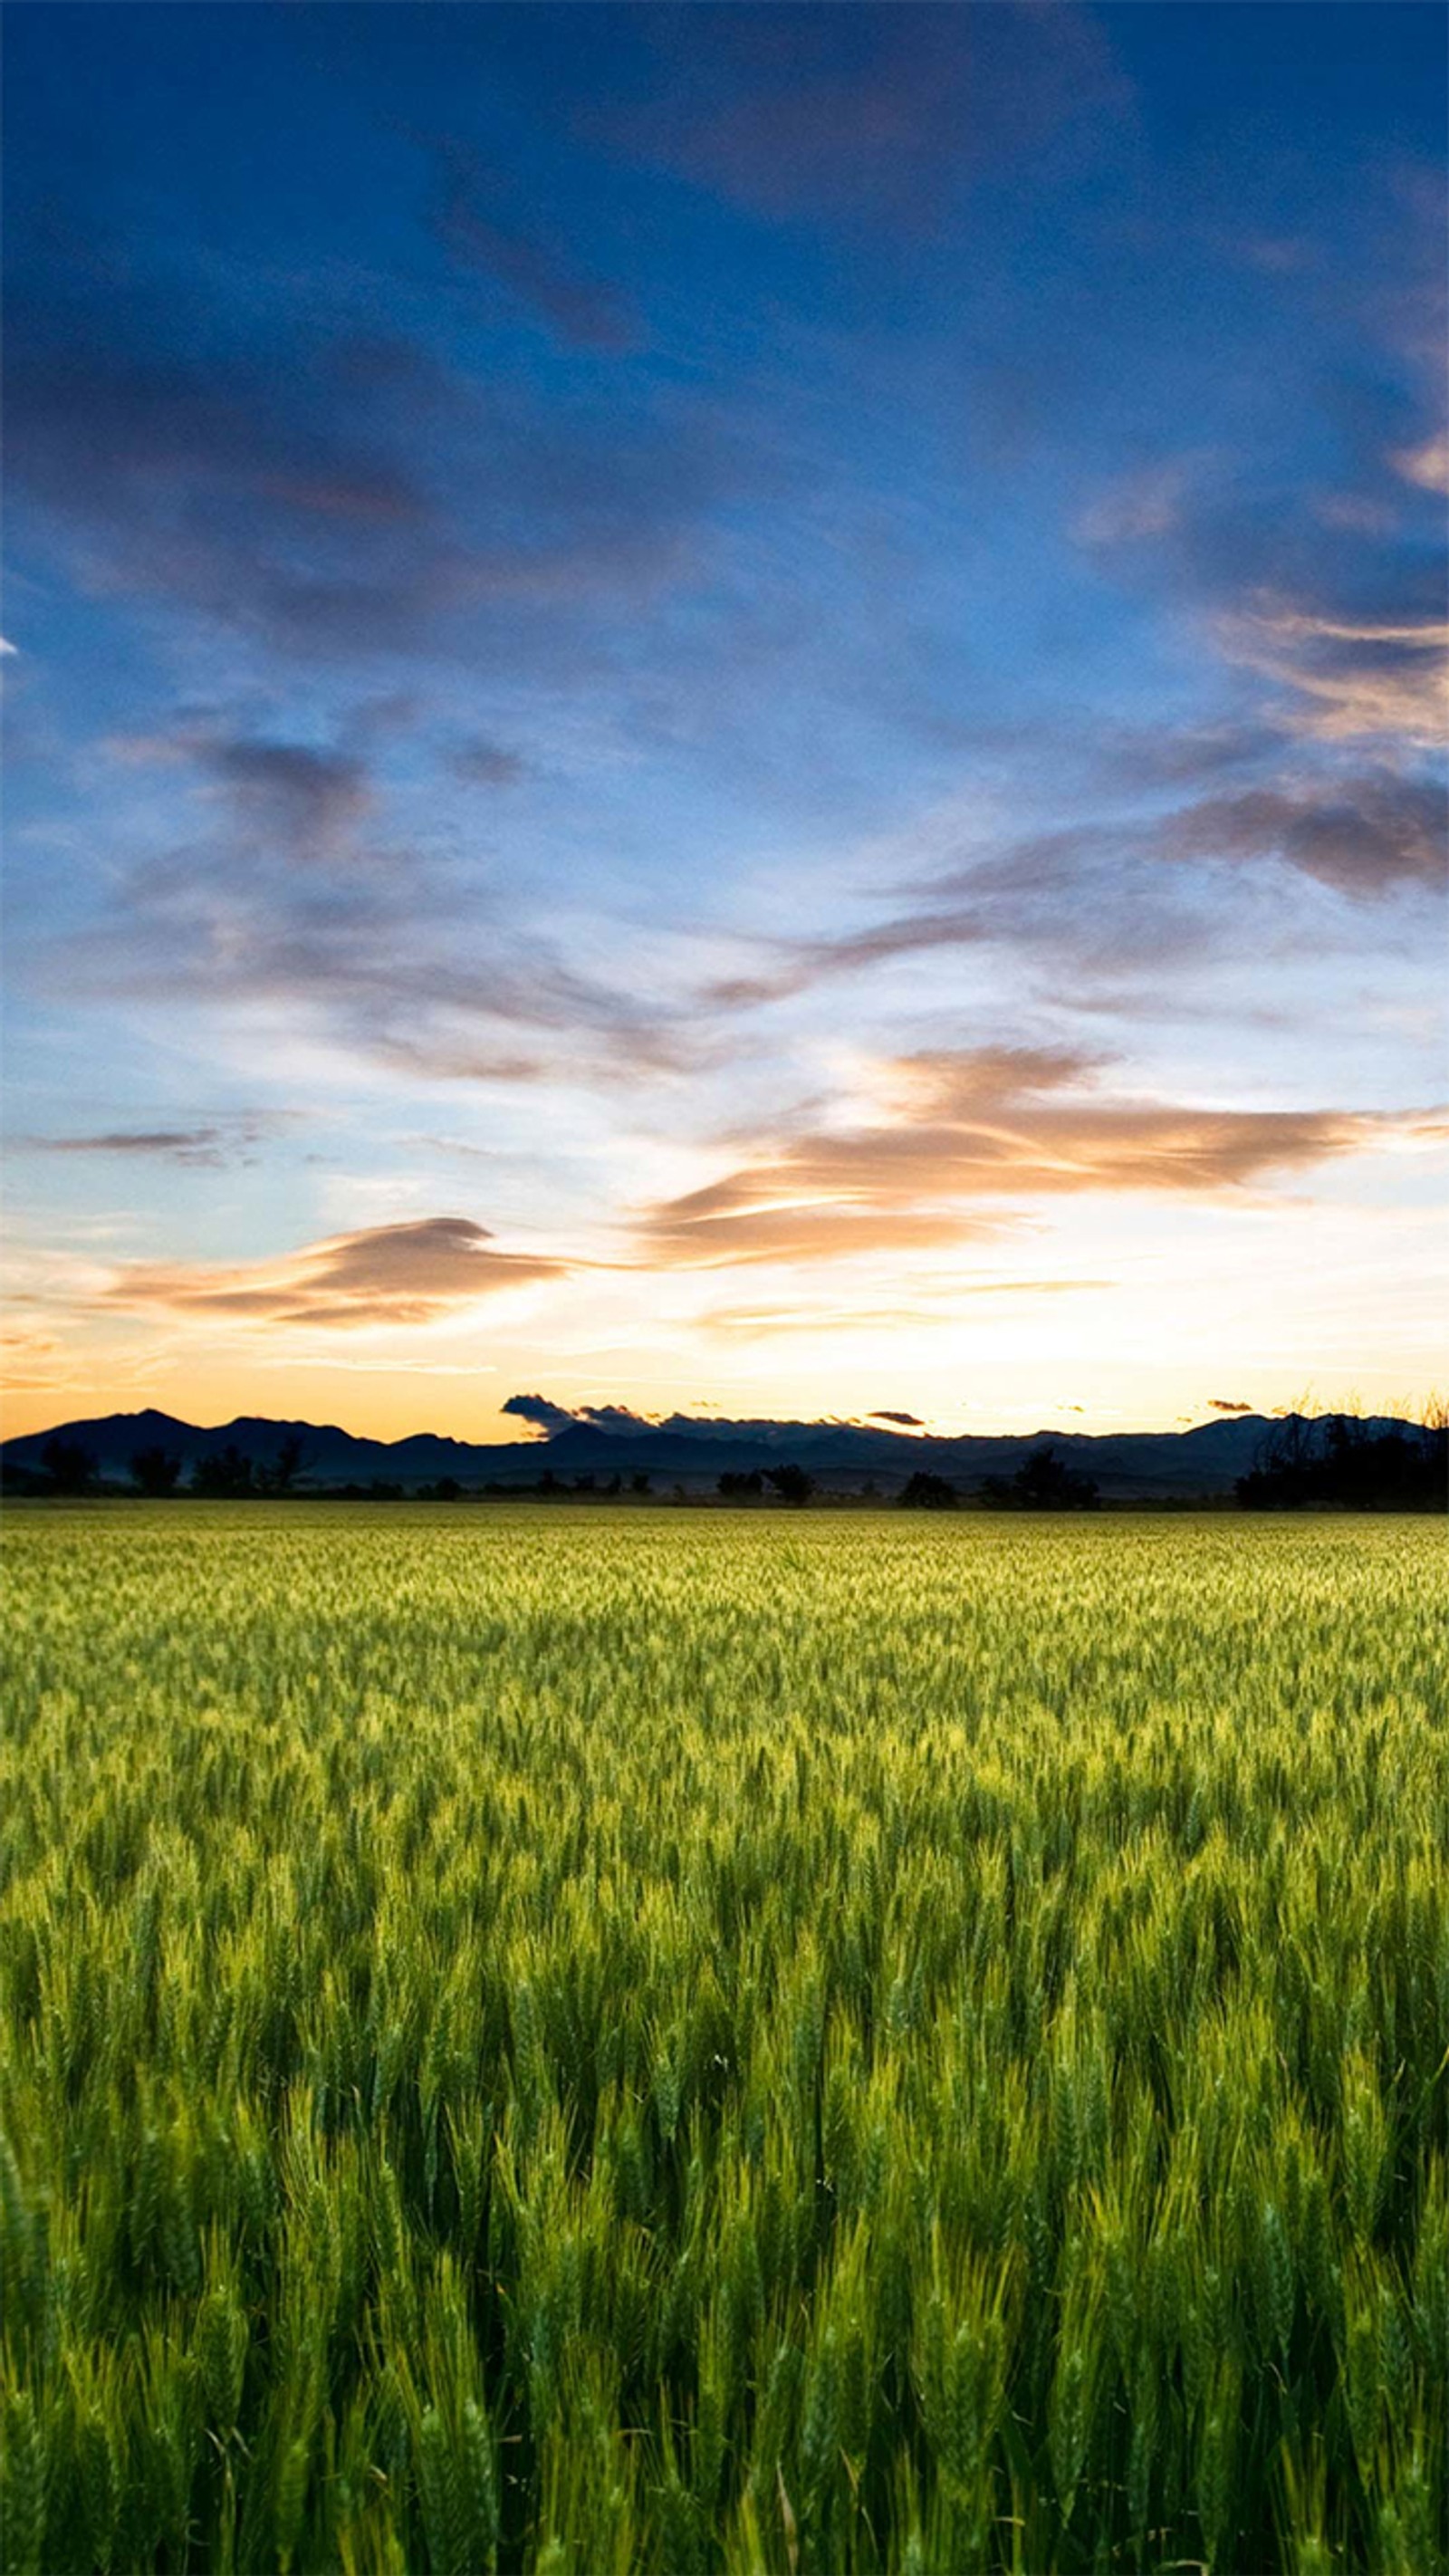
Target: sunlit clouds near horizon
[[731, 709]]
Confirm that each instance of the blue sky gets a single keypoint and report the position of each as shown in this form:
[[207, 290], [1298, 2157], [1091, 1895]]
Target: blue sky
[[724, 706]]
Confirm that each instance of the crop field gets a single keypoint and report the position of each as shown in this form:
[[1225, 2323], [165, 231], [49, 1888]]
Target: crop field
[[585, 2042]]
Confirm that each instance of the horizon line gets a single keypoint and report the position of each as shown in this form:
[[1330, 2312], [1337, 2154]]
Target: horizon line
[[679, 1425]]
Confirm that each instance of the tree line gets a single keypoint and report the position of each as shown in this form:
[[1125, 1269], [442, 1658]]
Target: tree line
[[1344, 1461], [1043, 1482], [225, 1476], [1333, 1461]]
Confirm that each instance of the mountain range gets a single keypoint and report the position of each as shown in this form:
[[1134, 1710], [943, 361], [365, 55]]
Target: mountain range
[[608, 1441]]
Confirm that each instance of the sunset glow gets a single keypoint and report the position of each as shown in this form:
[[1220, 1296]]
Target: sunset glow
[[729, 708]]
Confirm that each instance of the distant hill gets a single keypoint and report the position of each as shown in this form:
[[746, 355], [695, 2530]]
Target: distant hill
[[1127, 1465]]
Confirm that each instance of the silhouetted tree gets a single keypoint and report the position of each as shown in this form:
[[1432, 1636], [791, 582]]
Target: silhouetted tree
[[1043, 1483], [924, 1492], [17, 1480], [736, 1484], [70, 1466], [281, 1476], [792, 1483], [640, 1485], [224, 1477], [1282, 1465], [1046, 1483], [1339, 1460], [155, 1472]]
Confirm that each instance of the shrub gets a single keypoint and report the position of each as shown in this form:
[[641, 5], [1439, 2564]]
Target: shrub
[[924, 1492]]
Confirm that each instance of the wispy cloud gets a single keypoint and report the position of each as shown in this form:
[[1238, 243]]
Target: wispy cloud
[[290, 894], [392, 1274], [481, 763], [1101, 891], [941, 1304], [1426, 465], [206, 1146], [309, 796], [1136, 506], [982, 1127], [471, 218], [1362, 835], [351, 495], [865, 116], [235, 1138], [1351, 679]]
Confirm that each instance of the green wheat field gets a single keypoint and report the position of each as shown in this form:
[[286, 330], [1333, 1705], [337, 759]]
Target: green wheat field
[[683, 2041]]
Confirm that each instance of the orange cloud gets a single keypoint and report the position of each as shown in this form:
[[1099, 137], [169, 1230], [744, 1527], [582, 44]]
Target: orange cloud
[[990, 1124], [1360, 678], [389, 1274]]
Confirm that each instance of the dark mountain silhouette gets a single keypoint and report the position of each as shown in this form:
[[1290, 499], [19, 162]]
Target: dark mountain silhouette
[[1145, 1465]]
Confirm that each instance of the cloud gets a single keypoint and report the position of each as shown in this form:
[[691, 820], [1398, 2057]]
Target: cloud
[[1353, 678], [1427, 466], [252, 492], [863, 117], [292, 898], [615, 1417], [928, 1308], [379, 968], [1227, 1404], [343, 495], [1143, 758], [230, 1140], [1361, 835], [1314, 561], [976, 1128], [486, 764], [1099, 894], [468, 219], [541, 1411], [369, 969], [310, 797], [200, 1145], [392, 1274], [1143, 504], [907, 1421], [550, 1417]]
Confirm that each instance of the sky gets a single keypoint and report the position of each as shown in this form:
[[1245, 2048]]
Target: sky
[[730, 710]]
